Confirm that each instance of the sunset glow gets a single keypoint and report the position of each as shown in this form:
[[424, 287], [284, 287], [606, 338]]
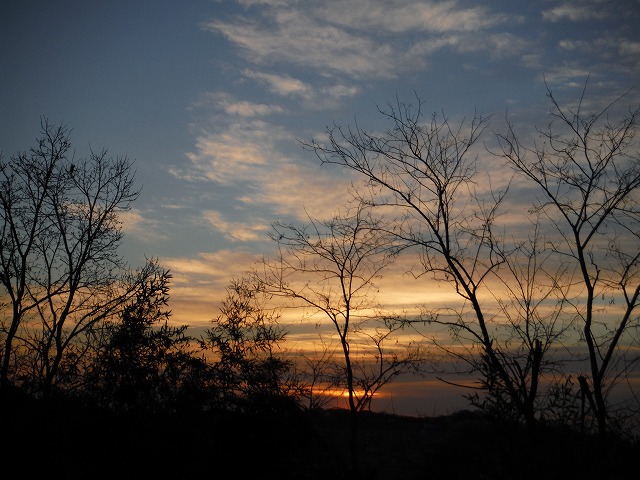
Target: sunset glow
[[213, 101]]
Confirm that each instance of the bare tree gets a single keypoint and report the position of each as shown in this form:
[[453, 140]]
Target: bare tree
[[330, 268], [425, 171], [60, 268], [587, 168], [529, 334]]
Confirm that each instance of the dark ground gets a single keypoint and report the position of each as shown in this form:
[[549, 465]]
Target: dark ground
[[63, 441]]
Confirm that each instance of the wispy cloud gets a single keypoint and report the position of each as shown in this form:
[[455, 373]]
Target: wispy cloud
[[281, 84], [496, 45], [567, 75], [207, 267], [226, 103], [607, 49], [236, 230], [249, 155], [312, 96], [401, 16], [629, 48], [298, 190], [575, 12], [199, 282], [354, 37], [137, 224], [238, 153], [293, 37]]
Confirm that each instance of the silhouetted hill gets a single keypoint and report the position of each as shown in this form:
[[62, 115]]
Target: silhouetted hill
[[65, 440]]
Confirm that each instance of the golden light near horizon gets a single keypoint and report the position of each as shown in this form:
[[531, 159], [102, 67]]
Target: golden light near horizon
[[196, 303]]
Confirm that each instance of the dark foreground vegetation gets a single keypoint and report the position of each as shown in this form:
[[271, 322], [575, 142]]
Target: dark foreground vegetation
[[67, 440]]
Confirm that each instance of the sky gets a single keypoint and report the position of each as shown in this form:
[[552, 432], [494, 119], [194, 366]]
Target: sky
[[211, 99]]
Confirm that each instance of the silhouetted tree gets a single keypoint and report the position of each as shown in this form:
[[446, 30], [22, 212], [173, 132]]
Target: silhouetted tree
[[423, 171], [530, 308], [330, 268], [251, 373], [587, 168], [146, 364], [59, 265]]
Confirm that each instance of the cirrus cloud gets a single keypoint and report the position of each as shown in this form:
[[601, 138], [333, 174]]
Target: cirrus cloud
[[356, 38], [574, 12]]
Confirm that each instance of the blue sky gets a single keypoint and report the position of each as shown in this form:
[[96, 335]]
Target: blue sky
[[211, 97]]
